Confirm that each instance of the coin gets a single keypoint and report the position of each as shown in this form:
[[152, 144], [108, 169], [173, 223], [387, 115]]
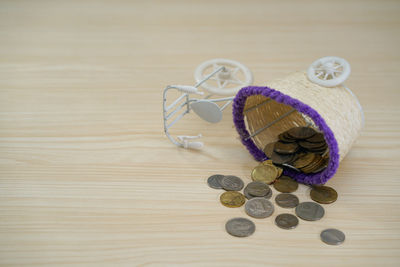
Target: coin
[[280, 171], [290, 167], [281, 158], [286, 200], [323, 194], [301, 132], [249, 196], [214, 181], [259, 207], [286, 221], [269, 162], [232, 183], [257, 189], [285, 138], [316, 138], [332, 236], [314, 165], [268, 149], [285, 184], [320, 152], [268, 195], [313, 146], [299, 148], [240, 227], [304, 161], [246, 194], [266, 162], [232, 199], [310, 211], [264, 173], [324, 164], [285, 148]]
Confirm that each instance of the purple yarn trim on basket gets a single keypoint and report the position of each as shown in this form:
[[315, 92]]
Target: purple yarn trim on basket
[[259, 155]]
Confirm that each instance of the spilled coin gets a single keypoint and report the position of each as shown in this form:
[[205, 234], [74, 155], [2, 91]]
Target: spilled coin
[[287, 200], [332, 236], [259, 207], [232, 183], [232, 199], [240, 227], [286, 221], [323, 194], [214, 181], [310, 211], [285, 184]]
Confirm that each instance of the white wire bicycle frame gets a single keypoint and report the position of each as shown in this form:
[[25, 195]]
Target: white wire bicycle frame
[[327, 72], [172, 109]]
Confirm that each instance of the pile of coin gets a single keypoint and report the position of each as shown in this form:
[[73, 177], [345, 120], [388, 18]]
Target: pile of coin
[[259, 206], [300, 148]]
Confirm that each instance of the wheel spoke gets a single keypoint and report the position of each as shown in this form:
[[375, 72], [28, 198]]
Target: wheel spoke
[[224, 83], [326, 76], [215, 66], [219, 83], [235, 78], [235, 81], [235, 70], [338, 66], [319, 74]]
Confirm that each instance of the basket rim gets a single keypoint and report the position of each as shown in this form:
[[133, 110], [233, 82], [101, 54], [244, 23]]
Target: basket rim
[[238, 119]]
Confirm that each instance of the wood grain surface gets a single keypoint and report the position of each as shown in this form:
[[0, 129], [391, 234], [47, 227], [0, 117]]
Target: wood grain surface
[[88, 178]]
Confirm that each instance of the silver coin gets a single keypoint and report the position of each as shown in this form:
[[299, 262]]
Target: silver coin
[[232, 183], [259, 207], [310, 211], [250, 196], [258, 189], [286, 221], [287, 200], [332, 236], [240, 227], [246, 194], [269, 195], [214, 181]]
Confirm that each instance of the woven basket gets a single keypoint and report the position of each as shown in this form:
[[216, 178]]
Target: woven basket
[[334, 111]]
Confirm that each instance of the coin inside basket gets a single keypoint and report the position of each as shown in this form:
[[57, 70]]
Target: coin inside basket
[[287, 136]]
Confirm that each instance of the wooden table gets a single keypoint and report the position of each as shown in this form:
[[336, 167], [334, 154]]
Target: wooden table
[[88, 178]]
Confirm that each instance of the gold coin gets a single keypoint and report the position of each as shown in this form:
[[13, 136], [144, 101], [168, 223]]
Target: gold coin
[[232, 199], [316, 138], [285, 184], [301, 132], [269, 162], [286, 148], [266, 162], [314, 165], [304, 161], [323, 194], [269, 149], [280, 171], [322, 166], [265, 173]]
